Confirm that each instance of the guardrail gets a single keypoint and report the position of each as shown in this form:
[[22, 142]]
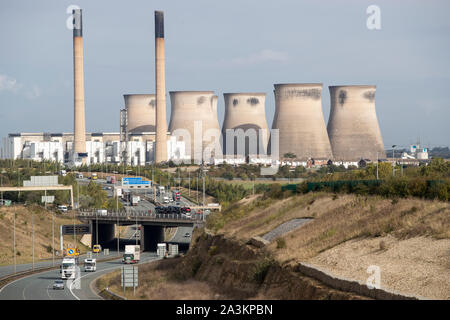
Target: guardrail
[[141, 215]]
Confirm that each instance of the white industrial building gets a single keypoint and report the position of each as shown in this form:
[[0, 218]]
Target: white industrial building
[[100, 148]]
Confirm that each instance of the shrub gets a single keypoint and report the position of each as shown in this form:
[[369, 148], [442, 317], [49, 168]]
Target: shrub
[[196, 266], [212, 250], [281, 243], [220, 260], [261, 269]]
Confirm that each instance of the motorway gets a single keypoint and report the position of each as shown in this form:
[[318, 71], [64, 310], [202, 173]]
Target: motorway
[[40, 286], [144, 206]]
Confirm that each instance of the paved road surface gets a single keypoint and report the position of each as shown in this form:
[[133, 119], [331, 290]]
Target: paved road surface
[[40, 286]]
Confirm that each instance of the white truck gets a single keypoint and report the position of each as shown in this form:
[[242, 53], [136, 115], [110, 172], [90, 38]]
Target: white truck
[[90, 265], [102, 212], [132, 254], [68, 268], [161, 189], [166, 199], [135, 200]]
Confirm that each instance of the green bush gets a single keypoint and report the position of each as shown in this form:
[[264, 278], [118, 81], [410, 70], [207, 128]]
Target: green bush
[[212, 250], [261, 269], [281, 243]]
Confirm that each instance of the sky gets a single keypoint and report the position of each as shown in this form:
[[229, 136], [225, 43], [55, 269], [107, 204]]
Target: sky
[[227, 46]]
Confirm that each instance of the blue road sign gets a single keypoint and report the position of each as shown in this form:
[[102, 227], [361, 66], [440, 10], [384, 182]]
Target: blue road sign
[[134, 181]]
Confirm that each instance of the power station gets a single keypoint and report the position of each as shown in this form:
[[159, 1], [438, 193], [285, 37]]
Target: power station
[[352, 134], [141, 112], [299, 119], [160, 80], [246, 111], [353, 125], [193, 113], [79, 126]]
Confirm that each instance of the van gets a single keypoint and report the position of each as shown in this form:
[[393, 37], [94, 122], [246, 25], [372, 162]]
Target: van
[[62, 208], [102, 212]]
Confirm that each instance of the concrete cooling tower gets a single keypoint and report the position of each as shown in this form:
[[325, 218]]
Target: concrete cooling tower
[[246, 111], [191, 106], [353, 125], [141, 111], [299, 119]]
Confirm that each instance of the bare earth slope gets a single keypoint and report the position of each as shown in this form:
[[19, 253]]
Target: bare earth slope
[[409, 239]]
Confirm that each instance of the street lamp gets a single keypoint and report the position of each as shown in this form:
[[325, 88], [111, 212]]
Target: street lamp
[[393, 160]]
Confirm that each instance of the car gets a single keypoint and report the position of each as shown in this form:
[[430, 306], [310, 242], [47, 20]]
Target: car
[[185, 209], [58, 284], [174, 210], [187, 235], [62, 208]]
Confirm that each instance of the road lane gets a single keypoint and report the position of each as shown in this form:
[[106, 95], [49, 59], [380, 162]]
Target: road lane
[[40, 286]]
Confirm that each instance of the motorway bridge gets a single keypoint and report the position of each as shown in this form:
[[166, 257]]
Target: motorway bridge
[[152, 225]]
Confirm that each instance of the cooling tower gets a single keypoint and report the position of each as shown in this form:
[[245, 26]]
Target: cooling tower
[[160, 80], [299, 119], [189, 107], [246, 111], [353, 125], [141, 112], [78, 76]]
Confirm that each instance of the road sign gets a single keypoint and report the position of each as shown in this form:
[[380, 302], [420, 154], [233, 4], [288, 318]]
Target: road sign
[[129, 276], [213, 204], [70, 252], [134, 180], [106, 252], [40, 181], [47, 199], [79, 229]]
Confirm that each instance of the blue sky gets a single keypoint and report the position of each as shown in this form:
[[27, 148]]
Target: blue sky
[[226, 46]]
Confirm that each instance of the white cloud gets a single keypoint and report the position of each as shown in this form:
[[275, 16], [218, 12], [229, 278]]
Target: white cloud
[[9, 84], [265, 55], [34, 93]]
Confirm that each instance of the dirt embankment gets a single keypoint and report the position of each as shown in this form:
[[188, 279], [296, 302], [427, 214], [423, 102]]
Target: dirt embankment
[[220, 268], [408, 239], [43, 222]]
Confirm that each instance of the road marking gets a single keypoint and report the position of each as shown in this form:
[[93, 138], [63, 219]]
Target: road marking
[[49, 293], [116, 267]]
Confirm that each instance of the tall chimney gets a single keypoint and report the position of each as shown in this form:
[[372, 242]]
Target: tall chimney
[[79, 146], [161, 124]]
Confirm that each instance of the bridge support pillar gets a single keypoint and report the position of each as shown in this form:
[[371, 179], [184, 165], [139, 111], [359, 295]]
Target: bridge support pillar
[[105, 233], [151, 236]]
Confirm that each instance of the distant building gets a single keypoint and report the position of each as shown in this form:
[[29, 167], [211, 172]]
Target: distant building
[[100, 148]]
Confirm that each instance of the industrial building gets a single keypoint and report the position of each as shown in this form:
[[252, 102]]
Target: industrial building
[[100, 148], [194, 115], [141, 112], [194, 131], [299, 119], [246, 111], [353, 125]]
